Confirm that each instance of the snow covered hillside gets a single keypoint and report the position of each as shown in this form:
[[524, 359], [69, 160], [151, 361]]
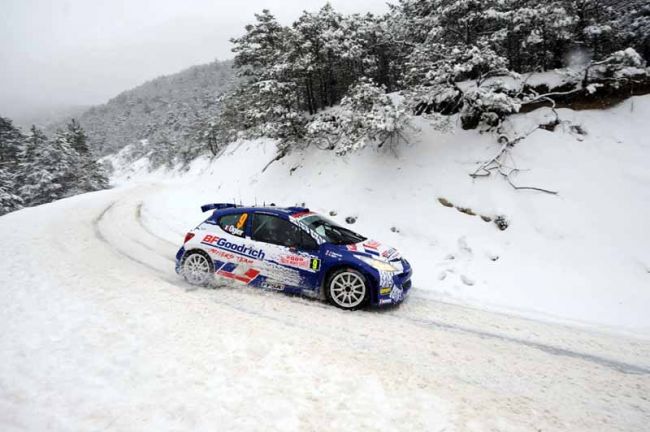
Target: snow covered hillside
[[581, 256], [99, 333]]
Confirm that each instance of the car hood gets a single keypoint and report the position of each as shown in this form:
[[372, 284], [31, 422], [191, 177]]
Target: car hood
[[373, 249]]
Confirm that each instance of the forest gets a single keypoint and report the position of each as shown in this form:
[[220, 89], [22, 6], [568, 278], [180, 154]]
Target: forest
[[36, 169], [327, 78], [341, 82]]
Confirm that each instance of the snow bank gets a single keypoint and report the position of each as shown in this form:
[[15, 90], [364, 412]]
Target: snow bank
[[581, 256]]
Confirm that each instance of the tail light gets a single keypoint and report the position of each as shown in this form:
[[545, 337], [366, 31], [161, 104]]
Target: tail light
[[189, 236]]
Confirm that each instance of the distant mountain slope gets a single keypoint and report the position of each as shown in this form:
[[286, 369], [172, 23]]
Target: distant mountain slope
[[166, 111]]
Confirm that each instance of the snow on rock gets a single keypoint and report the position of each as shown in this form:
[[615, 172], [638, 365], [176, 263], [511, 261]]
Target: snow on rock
[[581, 256]]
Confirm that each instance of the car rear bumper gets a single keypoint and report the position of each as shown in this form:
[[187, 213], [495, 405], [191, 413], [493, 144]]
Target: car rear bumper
[[179, 257]]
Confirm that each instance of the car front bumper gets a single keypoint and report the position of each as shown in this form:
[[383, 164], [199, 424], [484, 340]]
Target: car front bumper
[[397, 288]]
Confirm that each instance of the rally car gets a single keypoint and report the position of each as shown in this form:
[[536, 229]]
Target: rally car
[[295, 251]]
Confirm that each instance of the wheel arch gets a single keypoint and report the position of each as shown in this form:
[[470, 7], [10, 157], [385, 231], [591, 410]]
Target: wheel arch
[[372, 279], [189, 252]]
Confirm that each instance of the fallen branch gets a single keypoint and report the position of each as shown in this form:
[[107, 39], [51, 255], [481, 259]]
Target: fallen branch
[[280, 155], [498, 163], [515, 187]]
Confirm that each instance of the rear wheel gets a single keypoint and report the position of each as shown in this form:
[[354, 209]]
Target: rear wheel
[[347, 289], [196, 268]]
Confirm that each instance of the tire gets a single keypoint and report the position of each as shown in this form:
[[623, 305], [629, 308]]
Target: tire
[[347, 289], [197, 268]]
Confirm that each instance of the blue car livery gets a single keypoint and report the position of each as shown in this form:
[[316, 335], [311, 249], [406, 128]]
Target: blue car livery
[[293, 250]]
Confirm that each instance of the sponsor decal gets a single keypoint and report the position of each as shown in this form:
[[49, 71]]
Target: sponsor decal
[[241, 222], [244, 260], [385, 301], [280, 273], [221, 254], [333, 254], [397, 294], [388, 253], [222, 243], [302, 214], [351, 247], [372, 252], [372, 244], [230, 257], [385, 291], [234, 231], [246, 277], [300, 262], [386, 279], [272, 285], [295, 261]]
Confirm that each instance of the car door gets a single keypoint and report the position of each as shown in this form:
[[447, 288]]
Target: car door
[[233, 257], [292, 258]]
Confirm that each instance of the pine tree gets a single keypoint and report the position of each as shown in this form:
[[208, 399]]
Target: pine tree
[[49, 176], [11, 144], [365, 116], [87, 174], [11, 141], [9, 201], [55, 169], [77, 137], [634, 24]]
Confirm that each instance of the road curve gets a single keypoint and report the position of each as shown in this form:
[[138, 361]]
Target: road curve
[[102, 334]]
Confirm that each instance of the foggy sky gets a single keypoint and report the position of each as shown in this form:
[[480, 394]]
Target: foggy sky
[[62, 53]]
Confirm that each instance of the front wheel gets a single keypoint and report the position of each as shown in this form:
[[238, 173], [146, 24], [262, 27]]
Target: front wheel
[[347, 289], [196, 269]]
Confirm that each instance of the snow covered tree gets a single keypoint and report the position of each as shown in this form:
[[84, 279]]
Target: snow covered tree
[[435, 71], [11, 145], [488, 105], [621, 66], [267, 98], [446, 56], [531, 34], [49, 175], [33, 144], [258, 51], [36, 170], [77, 137], [9, 201], [366, 115], [634, 24], [54, 169], [11, 141], [595, 28], [88, 175]]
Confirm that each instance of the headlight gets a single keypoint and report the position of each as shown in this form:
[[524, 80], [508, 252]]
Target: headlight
[[379, 265]]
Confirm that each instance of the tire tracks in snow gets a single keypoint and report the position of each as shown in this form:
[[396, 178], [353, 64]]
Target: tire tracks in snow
[[623, 367], [619, 366]]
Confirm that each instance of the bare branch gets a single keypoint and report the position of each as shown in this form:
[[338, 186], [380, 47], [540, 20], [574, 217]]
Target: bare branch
[[498, 163]]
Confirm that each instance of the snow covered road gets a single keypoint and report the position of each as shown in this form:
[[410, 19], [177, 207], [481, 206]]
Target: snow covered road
[[98, 333]]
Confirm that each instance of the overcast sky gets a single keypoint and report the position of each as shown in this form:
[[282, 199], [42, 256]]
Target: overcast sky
[[59, 53]]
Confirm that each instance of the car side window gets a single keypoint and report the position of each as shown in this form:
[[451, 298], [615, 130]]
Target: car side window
[[234, 224], [307, 242], [275, 230]]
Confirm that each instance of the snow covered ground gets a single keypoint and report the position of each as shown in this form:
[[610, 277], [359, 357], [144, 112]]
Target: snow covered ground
[[98, 333], [102, 335], [579, 257]]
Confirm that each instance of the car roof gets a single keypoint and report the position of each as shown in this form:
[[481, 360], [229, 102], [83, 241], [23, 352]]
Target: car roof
[[226, 209]]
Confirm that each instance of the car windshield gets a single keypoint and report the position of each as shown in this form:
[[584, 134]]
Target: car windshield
[[332, 232]]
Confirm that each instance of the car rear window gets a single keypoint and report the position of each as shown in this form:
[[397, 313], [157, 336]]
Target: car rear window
[[234, 224]]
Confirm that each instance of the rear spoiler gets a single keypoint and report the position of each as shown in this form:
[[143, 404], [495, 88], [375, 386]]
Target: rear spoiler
[[218, 206]]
